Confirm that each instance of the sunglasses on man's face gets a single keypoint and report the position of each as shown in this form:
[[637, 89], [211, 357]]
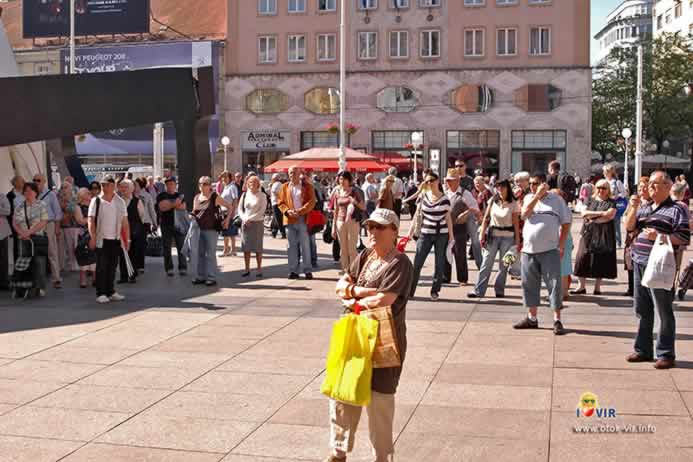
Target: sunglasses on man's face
[[375, 226], [37, 180], [534, 183]]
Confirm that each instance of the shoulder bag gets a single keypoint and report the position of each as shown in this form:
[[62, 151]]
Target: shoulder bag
[[40, 242]]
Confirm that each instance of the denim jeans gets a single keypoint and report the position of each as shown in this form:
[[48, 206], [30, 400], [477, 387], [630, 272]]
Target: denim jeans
[[645, 301], [169, 237], [497, 246], [617, 226], [538, 266], [313, 251], [207, 255], [423, 247], [473, 233], [298, 238]]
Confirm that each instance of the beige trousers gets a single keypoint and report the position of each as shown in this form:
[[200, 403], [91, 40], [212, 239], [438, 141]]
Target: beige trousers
[[348, 235], [70, 236], [344, 420], [53, 251]]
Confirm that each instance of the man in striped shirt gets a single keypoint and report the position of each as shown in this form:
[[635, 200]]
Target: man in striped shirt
[[666, 217]]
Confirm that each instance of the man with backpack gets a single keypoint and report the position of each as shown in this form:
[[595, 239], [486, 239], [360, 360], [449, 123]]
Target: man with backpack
[[563, 181]]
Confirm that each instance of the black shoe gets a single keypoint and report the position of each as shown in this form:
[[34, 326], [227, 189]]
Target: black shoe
[[293, 276], [246, 274], [435, 296], [500, 295], [183, 272], [122, 281], [472, 295], [578, 292], [527, 324], [210, 283], [309, 276], [558, 328], [132, 280], [198, 282], [629, 294], [258, 275], [681, 294]]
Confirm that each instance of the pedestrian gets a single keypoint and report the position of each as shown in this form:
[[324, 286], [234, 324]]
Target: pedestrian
[[370, 192], [661, 217], [349, 208], [618, 191], [151, 187], [230, 193], [5, 235], [31, 219], [567, 258], [380, 277], [55, 216], [459, 213], [397, 191], [482, 194], [278, 221], [82, 219], [209, 219], [149, 203], [138, 236], [466, 181], [436, 233], [296, 200], [386, 200], [168, 202], [95, 189], [251, 209], [500, 232], [596, 255], [70, 229], [687, 190], [109, 230], [319, 207], [644, 195], [547, 224]]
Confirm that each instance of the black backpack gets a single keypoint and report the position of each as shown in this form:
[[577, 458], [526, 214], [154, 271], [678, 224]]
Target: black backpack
[[568, 185]]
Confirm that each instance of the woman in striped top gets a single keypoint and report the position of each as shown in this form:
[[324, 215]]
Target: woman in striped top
[[436, 232]]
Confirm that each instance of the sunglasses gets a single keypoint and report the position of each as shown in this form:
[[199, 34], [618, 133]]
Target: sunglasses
[[205, 184], [37, 180], [602, 187], [377, 226], [534, 183]]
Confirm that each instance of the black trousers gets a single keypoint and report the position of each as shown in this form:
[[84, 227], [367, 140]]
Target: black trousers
[[169, 236], [106, 263], [279, 219], [4, 264], [460, 254], [398, 207]]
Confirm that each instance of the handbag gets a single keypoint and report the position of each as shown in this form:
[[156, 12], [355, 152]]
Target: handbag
[[417, 222], [155, 245], [40, 242], [83, 254], [349, 367], [597, 238], [316, 221], [237, 221], [327, 233], [386, 352]]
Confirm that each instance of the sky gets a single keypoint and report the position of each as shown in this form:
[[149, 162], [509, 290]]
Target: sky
[[600, 8]]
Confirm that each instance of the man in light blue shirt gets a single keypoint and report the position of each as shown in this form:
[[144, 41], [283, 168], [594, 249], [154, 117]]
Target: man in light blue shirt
[[547, 225], [55, 216]]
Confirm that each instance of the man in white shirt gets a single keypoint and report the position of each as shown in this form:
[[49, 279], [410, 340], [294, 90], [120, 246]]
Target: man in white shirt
[[278, 226], [108, 226]]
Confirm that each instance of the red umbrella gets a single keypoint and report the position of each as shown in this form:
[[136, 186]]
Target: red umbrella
[[317, 165]]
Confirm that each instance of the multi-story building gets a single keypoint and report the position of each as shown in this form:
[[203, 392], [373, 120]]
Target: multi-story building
[[625, 26], [673, 16], [504, 84]]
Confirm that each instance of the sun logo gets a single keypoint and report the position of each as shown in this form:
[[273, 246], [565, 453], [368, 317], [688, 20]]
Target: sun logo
[[589, 406]]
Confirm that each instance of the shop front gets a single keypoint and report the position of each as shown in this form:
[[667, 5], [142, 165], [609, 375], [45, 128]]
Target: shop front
[[396, 148], [260, 148], [480, 149], [322, 139], [533, 150]]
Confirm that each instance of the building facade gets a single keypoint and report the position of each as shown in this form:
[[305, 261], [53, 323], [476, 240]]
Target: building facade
[[503, 84], [626, 25], [672, 16]]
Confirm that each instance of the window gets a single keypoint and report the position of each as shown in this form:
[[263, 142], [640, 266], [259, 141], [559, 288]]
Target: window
[[368, 4], [297, 48], [400, 4], [297, 6], [677, 10], [474, 2], [538, 139], [480, 149], [399, 44], [506, 42], [430, 44], [327, 5], [538, 2], [538, 98], [267, 49], [391, 140], [397, 99], [429, 3], [368, 45], [267, 6], [659, 21], [318, 140], [327, 47], [266, 101], [472, 98], [322, 100], [506, 2], [540, 41], [474, 42], [667, 16]]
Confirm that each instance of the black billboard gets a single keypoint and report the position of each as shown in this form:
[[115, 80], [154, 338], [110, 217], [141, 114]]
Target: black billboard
[[51, 18]]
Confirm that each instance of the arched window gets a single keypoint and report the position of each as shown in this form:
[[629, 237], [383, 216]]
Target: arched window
[[397, 99], [267, 101], [472, 98], [322, 100], [538, 98]]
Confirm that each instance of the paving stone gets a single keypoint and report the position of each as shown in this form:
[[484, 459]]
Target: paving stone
[[615, 450], [142, 377], [250, 383], [99, 452], [218, 345], [494, 374], [21, 391], [47, 371], [590, 360], [488, 396], [71, 354], [22, 449], [102, 398], [595, 379], [252, 361], [683, 378], [634, 401], [177, 360]]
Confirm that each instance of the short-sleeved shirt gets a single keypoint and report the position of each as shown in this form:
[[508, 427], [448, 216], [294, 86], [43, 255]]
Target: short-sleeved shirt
[[542, 229], [36, 213], [395, 278], [168, 218], [670, 218], [435, 215], [276, 187], [502, 214]]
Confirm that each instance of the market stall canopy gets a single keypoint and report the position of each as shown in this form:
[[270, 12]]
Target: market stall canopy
[[402, 163], [327, 160]]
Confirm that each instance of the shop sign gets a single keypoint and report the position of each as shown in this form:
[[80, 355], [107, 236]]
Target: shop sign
[[266, 140]]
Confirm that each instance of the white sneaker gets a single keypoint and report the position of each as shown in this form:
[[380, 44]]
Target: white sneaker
[[102, 299], [116, 297]]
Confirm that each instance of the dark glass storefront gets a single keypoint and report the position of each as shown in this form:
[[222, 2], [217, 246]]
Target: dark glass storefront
[[480, 149]]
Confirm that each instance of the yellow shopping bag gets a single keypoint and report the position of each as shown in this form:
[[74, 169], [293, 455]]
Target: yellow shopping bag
[[349, 361]]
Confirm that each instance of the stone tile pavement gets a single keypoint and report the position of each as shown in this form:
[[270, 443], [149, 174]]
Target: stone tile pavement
[[182, 373]]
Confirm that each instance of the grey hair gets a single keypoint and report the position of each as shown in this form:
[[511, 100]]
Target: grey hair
[[129, 184], [665, 175], [678, 188], [522, 176], [392, 171], [205, 179]]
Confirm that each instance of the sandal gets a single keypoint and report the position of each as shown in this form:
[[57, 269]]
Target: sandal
[[578, 292], [58, 285], [246, 274]]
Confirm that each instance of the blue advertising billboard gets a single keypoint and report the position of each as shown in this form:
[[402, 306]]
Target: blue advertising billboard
[[51, 18]]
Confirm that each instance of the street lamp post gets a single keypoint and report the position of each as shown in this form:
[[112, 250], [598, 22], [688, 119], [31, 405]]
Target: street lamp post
[[626, 133], [416, 140], [225, 141], [342, 94], [72, 36], [666, 144]]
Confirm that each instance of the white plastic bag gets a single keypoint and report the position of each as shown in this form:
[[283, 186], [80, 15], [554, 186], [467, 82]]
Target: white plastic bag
[[661, 267]]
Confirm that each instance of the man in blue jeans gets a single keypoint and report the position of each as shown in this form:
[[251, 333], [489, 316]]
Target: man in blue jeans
[[296, 199], [547, 225], [662, 216]]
